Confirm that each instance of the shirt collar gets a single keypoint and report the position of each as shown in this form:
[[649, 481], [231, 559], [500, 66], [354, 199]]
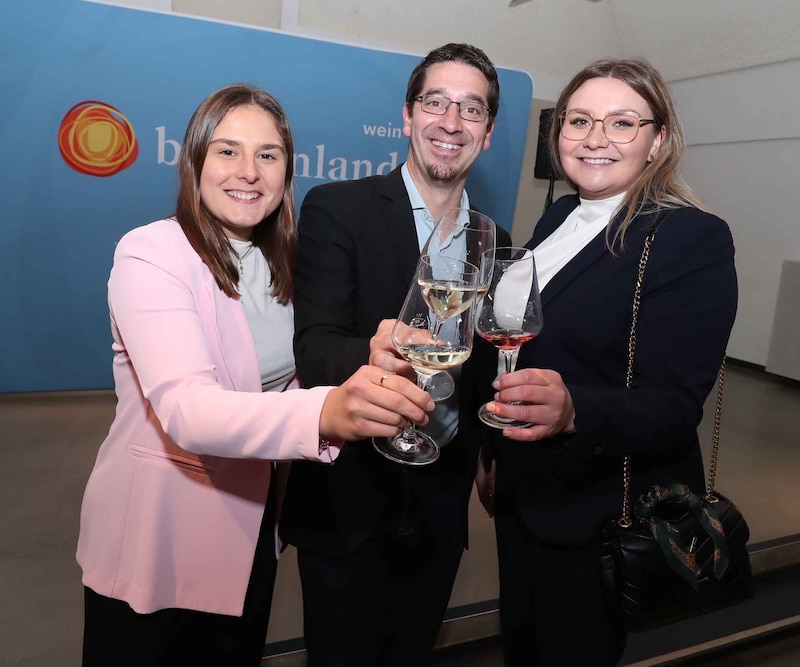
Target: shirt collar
[[414, 196]]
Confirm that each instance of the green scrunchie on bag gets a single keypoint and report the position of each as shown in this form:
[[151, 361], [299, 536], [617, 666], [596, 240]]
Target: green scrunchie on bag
[[651, 508]]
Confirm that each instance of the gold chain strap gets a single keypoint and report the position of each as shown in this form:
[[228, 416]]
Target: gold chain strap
[[712, 463], [625, 520]]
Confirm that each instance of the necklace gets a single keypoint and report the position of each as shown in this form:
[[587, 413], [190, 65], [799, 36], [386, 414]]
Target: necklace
[[243, 257]]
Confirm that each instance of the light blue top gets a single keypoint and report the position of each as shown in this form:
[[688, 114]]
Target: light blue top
[[443, 424]]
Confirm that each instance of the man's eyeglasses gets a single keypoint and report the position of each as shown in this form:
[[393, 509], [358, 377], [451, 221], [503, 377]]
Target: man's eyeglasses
[[439, 104], [620, 128]]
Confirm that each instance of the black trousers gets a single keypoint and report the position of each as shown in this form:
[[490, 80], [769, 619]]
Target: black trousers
[[116, 636], [552, 611], [383, 605]]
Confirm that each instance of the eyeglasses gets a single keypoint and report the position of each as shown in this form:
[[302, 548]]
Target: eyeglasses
[[620, 128], [439, 104]]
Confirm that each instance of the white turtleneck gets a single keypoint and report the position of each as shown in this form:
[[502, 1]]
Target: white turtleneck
[[588, 219]]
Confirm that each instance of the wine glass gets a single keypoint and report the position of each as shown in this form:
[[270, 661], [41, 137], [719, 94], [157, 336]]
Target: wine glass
[[448, 286], [433, 332], [510, 314], [467, 235]]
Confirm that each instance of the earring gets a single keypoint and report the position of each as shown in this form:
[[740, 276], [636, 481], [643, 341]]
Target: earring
[[650, 158]]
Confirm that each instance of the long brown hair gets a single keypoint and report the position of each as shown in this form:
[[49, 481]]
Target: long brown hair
[[276, 235], [659, 186]]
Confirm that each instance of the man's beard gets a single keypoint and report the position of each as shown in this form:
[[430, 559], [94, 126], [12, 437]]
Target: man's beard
[[441, 173]]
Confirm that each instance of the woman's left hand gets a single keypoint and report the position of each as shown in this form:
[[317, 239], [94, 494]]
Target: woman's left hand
[[544, 401]]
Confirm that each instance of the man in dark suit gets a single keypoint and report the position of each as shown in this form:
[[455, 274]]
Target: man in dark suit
[[379, 543]]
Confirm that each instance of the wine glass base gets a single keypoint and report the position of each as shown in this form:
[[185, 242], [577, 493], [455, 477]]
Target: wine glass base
[[425, 452], [495, 421]]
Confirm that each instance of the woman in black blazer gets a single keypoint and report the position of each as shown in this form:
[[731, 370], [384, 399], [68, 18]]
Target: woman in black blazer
[[617, 140]]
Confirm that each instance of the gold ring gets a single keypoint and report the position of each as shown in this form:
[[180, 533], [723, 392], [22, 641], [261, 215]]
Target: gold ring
[[385, 375]]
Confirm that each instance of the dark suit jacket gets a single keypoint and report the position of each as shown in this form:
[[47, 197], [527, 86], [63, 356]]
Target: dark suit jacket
[[357, 256], [565, 486]]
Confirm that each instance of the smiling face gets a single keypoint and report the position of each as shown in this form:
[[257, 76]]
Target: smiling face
[[243, 176], [443, 148], [599, 168]]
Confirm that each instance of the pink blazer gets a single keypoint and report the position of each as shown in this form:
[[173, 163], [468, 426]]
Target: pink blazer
[[172, 509]]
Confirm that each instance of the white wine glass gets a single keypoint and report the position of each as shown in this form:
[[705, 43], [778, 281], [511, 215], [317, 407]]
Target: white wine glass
[[467, 235], [510, 314], [433, 332], [448, 286]]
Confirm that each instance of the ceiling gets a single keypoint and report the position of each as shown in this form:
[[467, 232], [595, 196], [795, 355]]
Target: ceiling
[[553, 39]]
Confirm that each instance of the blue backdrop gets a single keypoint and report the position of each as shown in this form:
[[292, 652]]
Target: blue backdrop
[[58, 226]]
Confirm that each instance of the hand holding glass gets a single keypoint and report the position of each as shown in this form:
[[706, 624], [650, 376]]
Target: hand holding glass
[[433, 332], [510, 314]]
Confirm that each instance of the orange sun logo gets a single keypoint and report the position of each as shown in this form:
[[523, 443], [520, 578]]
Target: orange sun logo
[[96, 139]]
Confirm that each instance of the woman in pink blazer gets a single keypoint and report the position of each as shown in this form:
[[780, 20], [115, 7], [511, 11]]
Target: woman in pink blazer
[[176, 539]]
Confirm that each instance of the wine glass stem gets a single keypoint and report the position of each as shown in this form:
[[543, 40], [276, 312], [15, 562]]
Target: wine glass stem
[[508, 358], [422, 380], [437, 327], [407, 440]]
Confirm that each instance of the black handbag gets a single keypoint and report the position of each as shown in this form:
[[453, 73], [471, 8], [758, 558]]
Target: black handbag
[[675, 554]]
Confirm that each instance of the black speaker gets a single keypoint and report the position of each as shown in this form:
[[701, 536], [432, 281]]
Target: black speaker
[[544, 161]]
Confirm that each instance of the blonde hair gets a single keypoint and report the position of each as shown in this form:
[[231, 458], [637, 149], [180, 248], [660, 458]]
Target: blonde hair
[[660, 185]]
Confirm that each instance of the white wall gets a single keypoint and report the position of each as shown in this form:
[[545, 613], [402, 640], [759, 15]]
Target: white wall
[[262, 13], [743, 157]]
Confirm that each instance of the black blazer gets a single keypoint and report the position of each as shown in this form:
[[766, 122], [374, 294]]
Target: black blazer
[[358, 251], [563, 487]]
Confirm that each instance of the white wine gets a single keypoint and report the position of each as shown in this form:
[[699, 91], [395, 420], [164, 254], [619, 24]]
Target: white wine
[[447, 298], [435, 357]]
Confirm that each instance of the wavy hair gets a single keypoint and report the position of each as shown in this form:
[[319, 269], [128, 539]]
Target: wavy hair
[[276, 235]]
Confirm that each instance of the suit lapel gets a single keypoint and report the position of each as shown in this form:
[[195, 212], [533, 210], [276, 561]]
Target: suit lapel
[[237, 359], [578, 264], [593, 251], [552, 218], [398, 223]]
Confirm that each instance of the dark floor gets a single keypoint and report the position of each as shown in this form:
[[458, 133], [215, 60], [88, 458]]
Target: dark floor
[[778, 650]]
